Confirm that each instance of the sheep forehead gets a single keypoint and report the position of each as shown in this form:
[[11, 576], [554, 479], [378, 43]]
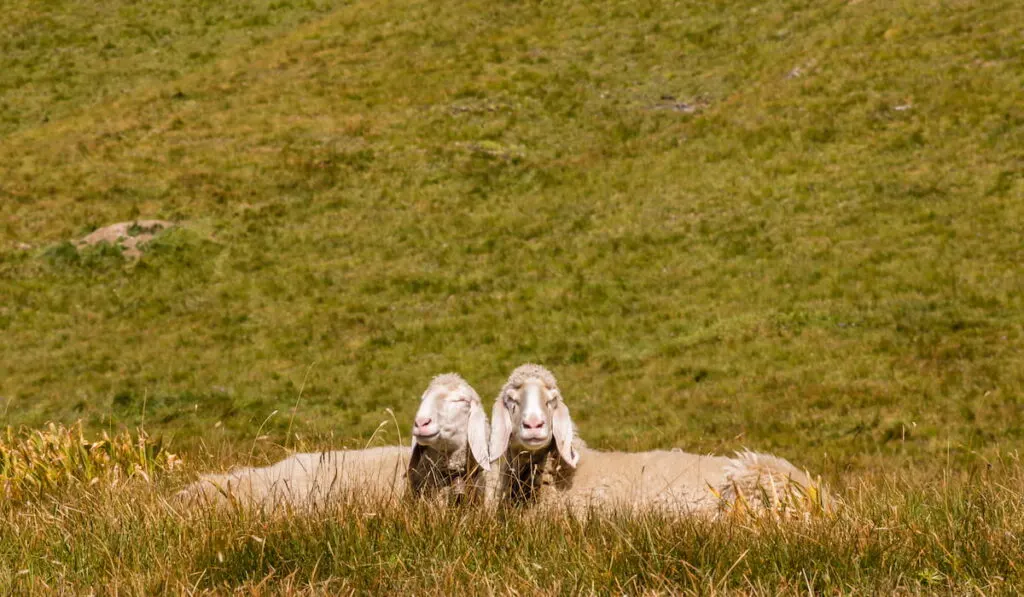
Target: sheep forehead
[[452, 382], [529, 371], [432, 400], [535, 397]]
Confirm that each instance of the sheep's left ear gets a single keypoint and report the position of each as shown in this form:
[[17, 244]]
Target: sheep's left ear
[[562, 425], [477, 432]]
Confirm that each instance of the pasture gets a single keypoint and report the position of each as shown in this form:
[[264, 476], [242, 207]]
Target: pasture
[[791, 227]]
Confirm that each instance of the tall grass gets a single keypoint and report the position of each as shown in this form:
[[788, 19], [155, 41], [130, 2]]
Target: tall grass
[[960, 533], [58, 458]]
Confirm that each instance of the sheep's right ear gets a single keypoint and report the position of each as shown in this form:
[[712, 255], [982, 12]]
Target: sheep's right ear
[[414, 458], [501, 429]]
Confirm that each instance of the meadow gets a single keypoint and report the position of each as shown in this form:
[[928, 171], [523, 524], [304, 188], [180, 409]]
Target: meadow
[[795, 227]]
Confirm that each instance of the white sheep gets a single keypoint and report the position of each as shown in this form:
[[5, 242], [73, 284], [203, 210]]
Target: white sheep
[[532, 435], [684, 483], [308, 480], [450, 425], [542, 460], [764, 482]]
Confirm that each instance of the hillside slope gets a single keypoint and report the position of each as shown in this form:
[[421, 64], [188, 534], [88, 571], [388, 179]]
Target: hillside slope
[[796, 228]]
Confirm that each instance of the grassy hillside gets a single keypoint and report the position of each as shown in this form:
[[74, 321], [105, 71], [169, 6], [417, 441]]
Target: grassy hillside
[[770, 224], [794, 227]]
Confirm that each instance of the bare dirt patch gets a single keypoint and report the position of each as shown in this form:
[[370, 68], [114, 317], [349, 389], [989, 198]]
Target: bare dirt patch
[[130, 236]]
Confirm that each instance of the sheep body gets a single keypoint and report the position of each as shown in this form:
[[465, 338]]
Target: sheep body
[[564, 471], [673, 480], [309, 479], [676, 481], [447, 464], [765, 482]]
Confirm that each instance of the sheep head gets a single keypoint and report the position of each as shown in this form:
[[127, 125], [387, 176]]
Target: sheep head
[[450, 416], [529, 415]]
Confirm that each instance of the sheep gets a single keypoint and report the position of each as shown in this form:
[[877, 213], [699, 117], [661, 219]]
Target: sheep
[[685, 483], [307, 480], [533, 436], [763, 483], [543, 461], [450, 425]]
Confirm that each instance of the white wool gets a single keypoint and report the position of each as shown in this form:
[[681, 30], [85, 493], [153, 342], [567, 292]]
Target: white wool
[[309, 480], [374, 475], [677, 482]]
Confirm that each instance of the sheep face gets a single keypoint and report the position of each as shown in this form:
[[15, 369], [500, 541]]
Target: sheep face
[[529, 414], [451, 416]]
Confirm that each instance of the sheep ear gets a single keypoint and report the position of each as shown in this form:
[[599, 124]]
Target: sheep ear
[[562, 425], [414, 474], [501, 428], [478, 435], [414, 458]]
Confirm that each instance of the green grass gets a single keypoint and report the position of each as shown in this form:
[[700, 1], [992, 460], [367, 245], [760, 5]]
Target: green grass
[[959, 534], [794, 227]]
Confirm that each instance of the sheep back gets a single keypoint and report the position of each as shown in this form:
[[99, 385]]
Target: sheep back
[[307, 480]]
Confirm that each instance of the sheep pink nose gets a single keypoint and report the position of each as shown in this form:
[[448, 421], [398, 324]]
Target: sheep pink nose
[[533, 423], [423, 421]]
